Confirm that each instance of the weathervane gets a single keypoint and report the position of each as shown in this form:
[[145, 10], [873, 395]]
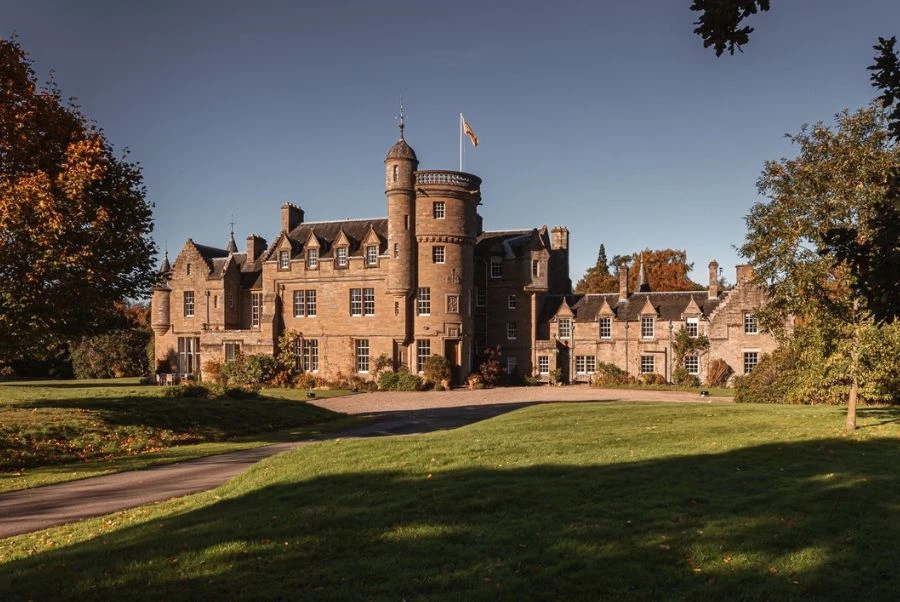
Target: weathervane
[[400, 117]]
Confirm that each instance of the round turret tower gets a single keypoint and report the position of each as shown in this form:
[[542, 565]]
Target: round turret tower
[[400, 168], [160, 318]]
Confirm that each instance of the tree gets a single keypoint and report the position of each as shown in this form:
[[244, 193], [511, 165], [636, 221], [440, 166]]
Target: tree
[[74, 223], [838, 180], [665, 269], [719, 22], [872, 250]]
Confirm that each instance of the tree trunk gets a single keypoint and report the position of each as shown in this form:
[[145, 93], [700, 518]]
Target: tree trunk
[[854, 371]]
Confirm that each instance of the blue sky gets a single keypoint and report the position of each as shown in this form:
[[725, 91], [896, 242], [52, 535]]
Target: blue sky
[[607, 117]]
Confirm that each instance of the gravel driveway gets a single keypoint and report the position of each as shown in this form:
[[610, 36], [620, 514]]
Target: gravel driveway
[[387, 401]]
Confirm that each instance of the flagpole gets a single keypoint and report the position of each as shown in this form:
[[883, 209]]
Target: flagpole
[[460, 142]]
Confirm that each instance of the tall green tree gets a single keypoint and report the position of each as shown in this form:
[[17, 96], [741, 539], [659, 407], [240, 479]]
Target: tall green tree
[[74, 222], [838, 179]]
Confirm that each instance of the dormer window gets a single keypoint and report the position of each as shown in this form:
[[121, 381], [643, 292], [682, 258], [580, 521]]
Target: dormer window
[[341, 257], [496, 267], [372, 255], [565, 328], [284, 260], [312, 259], [535, 268], [606, 327], [647, 327], [438, 210], [692, 326]]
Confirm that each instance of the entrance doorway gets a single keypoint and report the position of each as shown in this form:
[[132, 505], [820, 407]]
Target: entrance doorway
[[451, 352]]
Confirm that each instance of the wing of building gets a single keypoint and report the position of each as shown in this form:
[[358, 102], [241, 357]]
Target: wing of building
[[426, 279]]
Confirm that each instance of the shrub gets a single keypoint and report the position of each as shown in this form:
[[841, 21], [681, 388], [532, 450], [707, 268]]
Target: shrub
[[306, 380], [7, 372], [652, 378], [491, 369], [608, 375], [681, 377], [532, 381], [112, 355], [399, 381], [253, 370], [718, 372], [212, 371], [437, 368]]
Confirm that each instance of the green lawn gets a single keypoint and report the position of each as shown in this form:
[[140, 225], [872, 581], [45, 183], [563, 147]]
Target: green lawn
[[52, 431], [561, 502]]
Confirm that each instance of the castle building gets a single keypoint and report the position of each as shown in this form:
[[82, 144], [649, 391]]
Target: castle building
[[428, 279]]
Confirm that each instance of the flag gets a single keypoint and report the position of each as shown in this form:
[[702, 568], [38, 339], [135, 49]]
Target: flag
[[467, 130]]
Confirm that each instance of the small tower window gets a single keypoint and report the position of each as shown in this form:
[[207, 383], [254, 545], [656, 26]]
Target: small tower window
[[396, 172], [396, 250], [406, 221]]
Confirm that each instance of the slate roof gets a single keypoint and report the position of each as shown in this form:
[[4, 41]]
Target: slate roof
[[668, 305], [355, 230], [508, 243]]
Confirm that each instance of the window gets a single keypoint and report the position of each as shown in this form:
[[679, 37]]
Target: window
[[396, 171], [511, 302], [423, 302], [232, 350], [355, 301], [215, 301], [511, 330], [362, 301], [647, 327], [585, 364], [306, 355], [312, 259], [284, 260], [647, 364], [187, 269], [342, 257], [565, 328], [396, 250], [480, 296], [751, 358], [751, 326], [423, 350], [437, 210], [406, 222], [511, 364], [535, 268], [188, 304], [606, 328], [372, 255], [255, 308], [437, 254], [299, 304], [692, 326], [305, 304], [496, 267], [692, 364], [369, 301], [452, 304], [543, 364], [188, 355], [362, 355]]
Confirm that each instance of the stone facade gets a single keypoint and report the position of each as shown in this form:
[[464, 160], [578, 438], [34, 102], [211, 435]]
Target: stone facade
[[428, 279], [415, 283], [635, 331]]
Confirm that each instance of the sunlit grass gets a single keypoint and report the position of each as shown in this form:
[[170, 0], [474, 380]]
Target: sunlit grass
[[577, 501]]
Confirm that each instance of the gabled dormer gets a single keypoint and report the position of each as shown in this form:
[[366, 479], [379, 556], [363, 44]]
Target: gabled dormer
[[371, 248], [312, 251], [341, 247], [606, 310], [648, 315], [281, 251], [692, 309], [562, 324]]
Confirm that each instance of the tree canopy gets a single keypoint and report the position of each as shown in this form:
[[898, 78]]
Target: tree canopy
[[665, 269], [719, 22], [74, 223]]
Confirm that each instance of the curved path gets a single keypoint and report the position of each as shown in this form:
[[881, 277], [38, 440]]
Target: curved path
[[394, 413]]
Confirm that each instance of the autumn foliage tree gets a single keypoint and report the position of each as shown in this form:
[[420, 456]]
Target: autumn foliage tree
[[665, 269], [74, 223]]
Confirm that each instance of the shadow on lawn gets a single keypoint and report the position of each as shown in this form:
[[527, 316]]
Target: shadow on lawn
[[71, 384], [883, 415], [808, 520]]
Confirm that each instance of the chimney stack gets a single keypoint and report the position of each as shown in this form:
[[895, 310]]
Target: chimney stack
[[291, 217], [623, 283], [744, 273], [713, 279], [255, 246]]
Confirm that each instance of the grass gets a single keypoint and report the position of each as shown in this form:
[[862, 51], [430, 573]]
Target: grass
[[569, 501], [53, 431]]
